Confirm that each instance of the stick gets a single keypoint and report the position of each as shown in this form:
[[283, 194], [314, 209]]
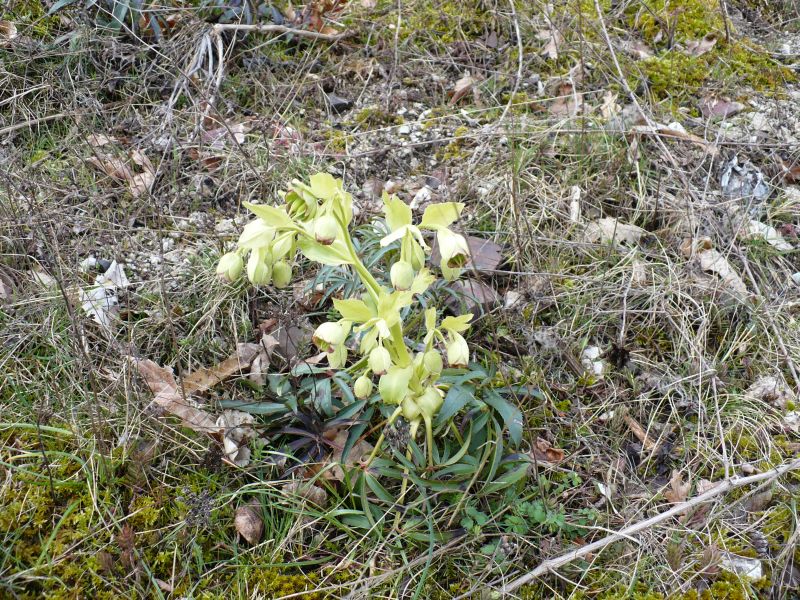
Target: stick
[[724, 486], [33, 122], [328, 37]]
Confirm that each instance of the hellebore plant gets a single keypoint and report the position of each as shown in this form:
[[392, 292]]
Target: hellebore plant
[[315, 220]]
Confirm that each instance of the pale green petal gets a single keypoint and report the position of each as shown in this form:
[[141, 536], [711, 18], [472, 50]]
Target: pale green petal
[[397, 212], [395, 235], [256, 234], [324, 185], [394, 385], [353, 310], [430, 319], [450, 274], [441, 215], [452, 247], [282, 245], [273, 216], [334, 255], [457, 324], [422, 282]]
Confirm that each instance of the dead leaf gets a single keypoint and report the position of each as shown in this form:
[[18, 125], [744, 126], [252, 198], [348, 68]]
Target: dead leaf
[[704, 485], [637, 49], [700, 47], [713, 261], [369, 3], [207, 377], [484, 255], [758, 502], [714, 107], [162, 383], [678, 489], [248, 522], [312, 493], [8, 32], [772, 390], [359, 452], [472, 295], [119, 170], [218, 137], [568, 103], [542, 451], [113, 167], [164, 586], [237, 429], [770, 234], [749, 568], [98, 140], [461, 88], [554, 41], [260, 364], [609, 229], [609, 108]]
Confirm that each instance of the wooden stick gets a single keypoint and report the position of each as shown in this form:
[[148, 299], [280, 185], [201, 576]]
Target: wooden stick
[[316, 35], [724, 486]]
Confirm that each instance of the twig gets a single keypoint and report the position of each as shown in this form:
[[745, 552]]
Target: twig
[[34, 122], [315, 35], [723, 487]]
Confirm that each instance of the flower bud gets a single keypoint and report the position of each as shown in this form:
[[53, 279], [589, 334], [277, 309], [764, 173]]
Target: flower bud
[[325, 230], [379, 360], [230, 266], [402, 275], [362, 387], [457, 351], [281, 274], [411, 411], [430, 402], [258, 271], [329, 335], [433, 362]]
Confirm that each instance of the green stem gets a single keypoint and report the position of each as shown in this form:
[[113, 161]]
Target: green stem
[[398, 346], [429, 438], [378, 444]]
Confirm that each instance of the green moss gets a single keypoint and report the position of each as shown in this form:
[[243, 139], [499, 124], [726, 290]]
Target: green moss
[[686, 19], [31, 18], [375, 118]]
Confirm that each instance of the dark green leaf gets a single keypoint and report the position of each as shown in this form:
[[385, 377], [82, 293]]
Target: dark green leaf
[[512, 416]]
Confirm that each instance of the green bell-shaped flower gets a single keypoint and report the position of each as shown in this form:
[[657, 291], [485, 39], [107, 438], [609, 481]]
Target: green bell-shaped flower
[[230, 266]]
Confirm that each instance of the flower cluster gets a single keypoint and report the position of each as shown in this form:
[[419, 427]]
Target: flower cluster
[[315, 219]]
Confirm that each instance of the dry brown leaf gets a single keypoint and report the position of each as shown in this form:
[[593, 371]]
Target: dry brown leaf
[[113, 167], [543, 452], [484, 255], [312, 493], [700, 47], [207, 377], [8, 32], [568, 103], [609, 108], [98, 140], [554, 41], [360, 451], [714, 107], [678, 489], [770, 234], [772, 390], [712, 261], [162, 383], [637, 49], [704, 485], [218, 137], [461, 88], [237, 429], [248, 522], [260, 364], [609, 229]]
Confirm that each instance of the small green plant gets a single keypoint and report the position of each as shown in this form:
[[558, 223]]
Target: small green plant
[[315, 220]]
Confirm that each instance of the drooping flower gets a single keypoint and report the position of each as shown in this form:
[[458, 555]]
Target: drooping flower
[[379, 360], [230, 266], [259, 270], [281, 274], [402, 275], [362, 387]]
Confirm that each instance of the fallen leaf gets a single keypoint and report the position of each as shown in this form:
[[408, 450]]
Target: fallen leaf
[[678, 489], [207, 377], [8, 32], [162, 383], [542, 451], [100, 303], [749, 568], [637, 49], [260, 364], [700, 47], [484, 255], [237, 429], [758, 502], [218, 137], [472, 295], [714, 107], [369, 3], [359, 452], [770, 234], [704, 485], [772, 390], [164, 586], [248, 522], [98, 140], [609, 108], [312, 493], [554, 41], [461, 88], [113, 167], [609, 229], [567, 103], [743, 180], [712, 261]]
